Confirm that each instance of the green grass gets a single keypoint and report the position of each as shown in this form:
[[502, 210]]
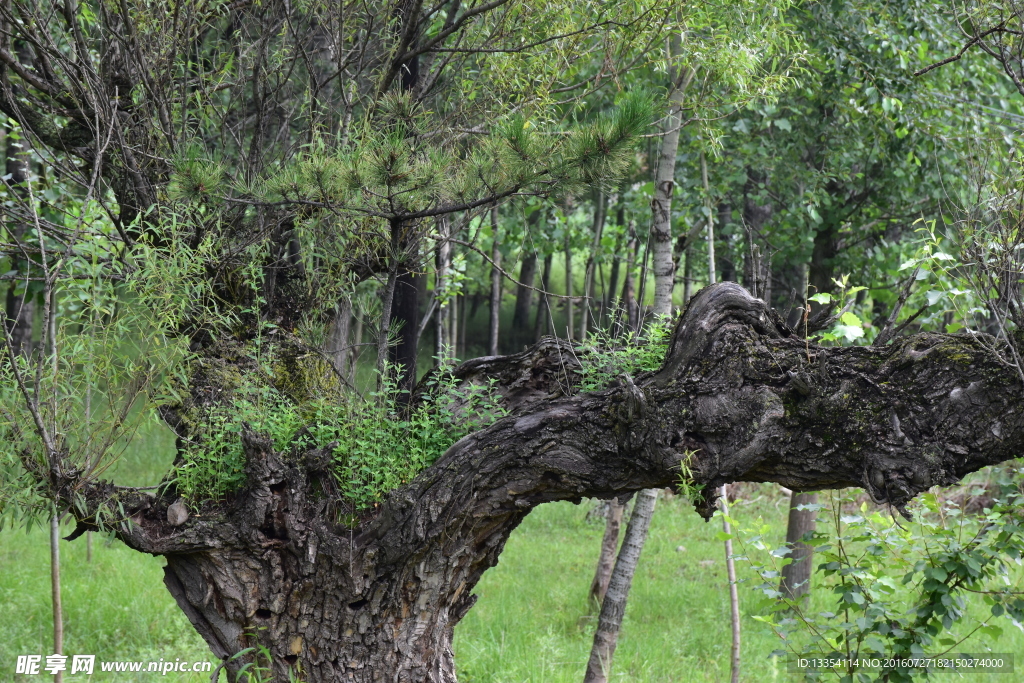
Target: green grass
[[532, 622], [115, 607]]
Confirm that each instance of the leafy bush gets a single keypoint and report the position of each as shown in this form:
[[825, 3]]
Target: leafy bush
[[603, 357], [377, 444], [900, 590]]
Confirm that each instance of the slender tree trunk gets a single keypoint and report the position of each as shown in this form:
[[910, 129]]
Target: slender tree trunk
[[613, 279], [568, 286], [757, 269], [338, 345], [522, 331], [688, 274], [629, 303], [444, 259], [661, 226], [641, 296], [453, 325], [357, 349], [58, 610], [588, 278], [796, 576], [19, 309], [664, 188], [606, 560], [406, 321], [492, 338], [614, 606], [734, 599], [540, 322], [710, 220], [725, 257], [463, 322], [387, 299]]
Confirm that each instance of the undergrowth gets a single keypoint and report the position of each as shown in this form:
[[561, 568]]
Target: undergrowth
[[605, 357], [377, 444]]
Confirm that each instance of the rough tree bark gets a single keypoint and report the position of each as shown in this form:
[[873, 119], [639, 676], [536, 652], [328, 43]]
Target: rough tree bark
[[739, 398]]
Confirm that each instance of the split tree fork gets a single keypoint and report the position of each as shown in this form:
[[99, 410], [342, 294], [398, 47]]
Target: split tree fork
[[739, 398]]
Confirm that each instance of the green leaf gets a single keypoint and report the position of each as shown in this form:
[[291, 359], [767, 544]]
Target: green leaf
[[848, 332], [849, 318], [853, 597]]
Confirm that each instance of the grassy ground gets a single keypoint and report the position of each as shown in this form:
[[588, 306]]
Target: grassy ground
[[115, 607], [530, 625], [532, 622]]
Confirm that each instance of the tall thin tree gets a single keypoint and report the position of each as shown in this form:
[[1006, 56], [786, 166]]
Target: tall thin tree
[[495, 309], [664, 274], [588, 279], [613, 608]]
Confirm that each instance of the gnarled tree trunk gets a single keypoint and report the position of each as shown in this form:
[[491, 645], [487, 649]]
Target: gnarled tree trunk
[[739, 398]]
